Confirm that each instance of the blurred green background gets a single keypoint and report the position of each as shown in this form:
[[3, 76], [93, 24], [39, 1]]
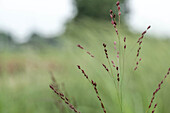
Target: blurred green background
[[25, 68]]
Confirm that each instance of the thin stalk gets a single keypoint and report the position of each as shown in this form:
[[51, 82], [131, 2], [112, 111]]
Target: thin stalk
[[120, 97], [117, 88], [122, 75]]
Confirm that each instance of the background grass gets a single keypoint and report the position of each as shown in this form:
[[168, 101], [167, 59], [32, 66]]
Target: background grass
[[25, 78]]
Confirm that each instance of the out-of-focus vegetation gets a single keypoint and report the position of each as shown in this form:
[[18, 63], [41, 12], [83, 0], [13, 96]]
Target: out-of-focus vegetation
[[36, 41], [25, 78], [97, 8]]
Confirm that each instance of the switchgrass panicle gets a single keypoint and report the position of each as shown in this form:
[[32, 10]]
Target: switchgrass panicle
[[94, 84], [157, 90], [65, 99], [119, 70]]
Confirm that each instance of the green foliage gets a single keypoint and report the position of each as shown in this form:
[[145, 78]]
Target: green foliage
[[5, 40], [27, 91], [36, 42], [96, 8]]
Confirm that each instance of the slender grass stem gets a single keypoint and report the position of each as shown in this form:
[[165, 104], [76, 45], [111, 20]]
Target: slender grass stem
[[122, 76], [120, 97]]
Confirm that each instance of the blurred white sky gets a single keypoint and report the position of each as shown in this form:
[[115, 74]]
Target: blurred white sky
[[47, 17], [150, 12]]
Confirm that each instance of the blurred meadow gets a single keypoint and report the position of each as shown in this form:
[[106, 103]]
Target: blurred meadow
[[25, 67]]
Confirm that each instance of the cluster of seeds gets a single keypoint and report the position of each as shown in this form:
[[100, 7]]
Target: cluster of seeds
[[81, 47], [105, 50], [143, 34], [94, 86], [137, 63], [118, 7], [158, 89], [154, 108], [113, 63], [140, 47], [105, 67], [113, 21], [65, 99], [124, 42], [117, 68]]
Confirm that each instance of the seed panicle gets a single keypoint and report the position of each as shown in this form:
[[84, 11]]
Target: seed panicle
[[94, 84], [65, 99]]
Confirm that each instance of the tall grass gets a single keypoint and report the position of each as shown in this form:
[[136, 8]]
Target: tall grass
[[116, 66]]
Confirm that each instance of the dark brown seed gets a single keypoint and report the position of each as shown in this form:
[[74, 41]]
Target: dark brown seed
[[111, 12], [78, 67], [124, 46], [66, 102], [124, 39], [102, 105], [104, 45], [118, 7], [148, 27], [114, 16], [80, 46], [117, 3], [143, 32]]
